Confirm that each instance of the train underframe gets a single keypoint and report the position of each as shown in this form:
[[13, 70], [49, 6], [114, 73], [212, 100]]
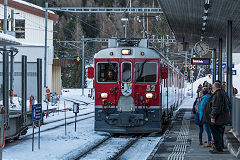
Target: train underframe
[[142, 120]]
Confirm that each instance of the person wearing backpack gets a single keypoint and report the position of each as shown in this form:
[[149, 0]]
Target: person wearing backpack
[[205, 96], [216, 114]]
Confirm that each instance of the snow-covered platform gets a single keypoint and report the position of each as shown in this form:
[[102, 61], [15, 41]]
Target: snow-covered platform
[[181, 140]]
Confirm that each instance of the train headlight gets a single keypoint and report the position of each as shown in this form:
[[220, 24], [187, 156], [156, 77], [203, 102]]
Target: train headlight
[[126, 51], [104, 95], [149, 95]]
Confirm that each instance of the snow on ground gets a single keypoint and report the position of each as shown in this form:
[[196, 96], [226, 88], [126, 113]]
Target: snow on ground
[[54, 143], [146, 145], [187, 102], [236, 84], [188, 89], [108, 150]]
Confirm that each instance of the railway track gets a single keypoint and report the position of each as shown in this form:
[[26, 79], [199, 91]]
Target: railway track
[[76, 101], [118, 147], [61, 125], [59, 120], [29, 136]]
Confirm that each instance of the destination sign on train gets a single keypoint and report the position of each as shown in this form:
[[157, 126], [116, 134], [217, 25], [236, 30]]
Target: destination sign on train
[[200, 61]]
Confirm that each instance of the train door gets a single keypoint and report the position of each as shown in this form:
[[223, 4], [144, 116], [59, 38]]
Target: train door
[[126, 102]]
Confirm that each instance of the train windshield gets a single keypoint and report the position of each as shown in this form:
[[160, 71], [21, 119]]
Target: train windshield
[[126, 72], [145, 72], [107, 72]]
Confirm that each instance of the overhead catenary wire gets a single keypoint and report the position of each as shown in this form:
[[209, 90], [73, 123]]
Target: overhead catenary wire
[[78, 17]]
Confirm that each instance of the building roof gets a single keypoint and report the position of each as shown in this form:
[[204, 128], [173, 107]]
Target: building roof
[[8, 40], [185, 18], [30, 8]]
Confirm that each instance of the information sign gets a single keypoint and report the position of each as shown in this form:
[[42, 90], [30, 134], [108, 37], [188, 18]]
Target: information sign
[[234, 72], [36, 112], [224, 65], [200, 61]]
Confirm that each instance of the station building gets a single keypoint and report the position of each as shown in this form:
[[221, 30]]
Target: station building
[[28, 26]]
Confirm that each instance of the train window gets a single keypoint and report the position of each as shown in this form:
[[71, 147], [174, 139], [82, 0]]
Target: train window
[[146, 72], [107, 72], [126, 72]]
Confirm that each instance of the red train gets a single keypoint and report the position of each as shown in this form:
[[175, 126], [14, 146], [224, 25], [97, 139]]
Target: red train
[[136, 89]]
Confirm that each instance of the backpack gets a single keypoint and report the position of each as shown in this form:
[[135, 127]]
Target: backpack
[[235, 91], [228, 102]]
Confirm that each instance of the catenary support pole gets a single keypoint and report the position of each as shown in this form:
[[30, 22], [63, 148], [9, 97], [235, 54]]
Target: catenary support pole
[[45, 47], [5, 71], [185, 64], [229, 60], [12, 20], [214, 65], [11, 76], [192, 74], [143, 26], [39, 80], [39, 92], [83, 66], [24, 89], [220, 61]]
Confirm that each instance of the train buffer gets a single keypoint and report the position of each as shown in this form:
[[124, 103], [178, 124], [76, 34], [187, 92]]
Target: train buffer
[[181, 140]]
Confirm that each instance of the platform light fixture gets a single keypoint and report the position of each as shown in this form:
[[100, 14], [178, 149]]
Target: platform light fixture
[[204, 18]]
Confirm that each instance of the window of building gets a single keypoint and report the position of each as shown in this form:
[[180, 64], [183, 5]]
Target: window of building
[[145, 72], [20, 28], [1, 24], [107, 72]]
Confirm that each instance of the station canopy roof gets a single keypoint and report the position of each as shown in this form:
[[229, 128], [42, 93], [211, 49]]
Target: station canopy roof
[[186, 18], [6, 40]]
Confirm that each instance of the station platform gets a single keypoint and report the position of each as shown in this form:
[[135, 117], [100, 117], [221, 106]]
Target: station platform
[[181, 142]]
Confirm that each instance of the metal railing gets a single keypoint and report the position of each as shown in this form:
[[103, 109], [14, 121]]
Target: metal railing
[[236, 115]]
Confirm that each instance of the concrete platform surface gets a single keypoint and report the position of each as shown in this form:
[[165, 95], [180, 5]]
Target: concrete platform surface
[[181, 142]]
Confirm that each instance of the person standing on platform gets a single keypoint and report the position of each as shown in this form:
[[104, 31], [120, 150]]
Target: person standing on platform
[[216, 113], [206, 96]]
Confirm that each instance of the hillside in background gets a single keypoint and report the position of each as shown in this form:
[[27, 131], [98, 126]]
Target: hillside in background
[[72, 26]]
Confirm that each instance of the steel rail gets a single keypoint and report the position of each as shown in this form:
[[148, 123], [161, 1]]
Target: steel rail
[[123, 150], [92, 148], [58, 120]]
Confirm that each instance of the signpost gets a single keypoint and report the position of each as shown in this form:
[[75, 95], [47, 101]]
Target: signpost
[[200, 61], [36, 116], [47, 99], [75, 110]]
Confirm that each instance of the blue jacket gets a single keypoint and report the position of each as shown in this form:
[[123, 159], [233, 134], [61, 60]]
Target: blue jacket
[[201, 107]]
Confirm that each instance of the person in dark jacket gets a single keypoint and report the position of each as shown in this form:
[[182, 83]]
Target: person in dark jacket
[[216, 113], [199, 89]]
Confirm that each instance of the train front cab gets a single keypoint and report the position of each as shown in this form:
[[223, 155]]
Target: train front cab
[[130, 101]]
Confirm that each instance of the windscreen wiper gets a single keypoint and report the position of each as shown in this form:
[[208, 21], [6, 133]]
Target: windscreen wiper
[[142, 66]]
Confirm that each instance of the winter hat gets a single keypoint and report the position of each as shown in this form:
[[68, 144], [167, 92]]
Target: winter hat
[[204, 90]]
